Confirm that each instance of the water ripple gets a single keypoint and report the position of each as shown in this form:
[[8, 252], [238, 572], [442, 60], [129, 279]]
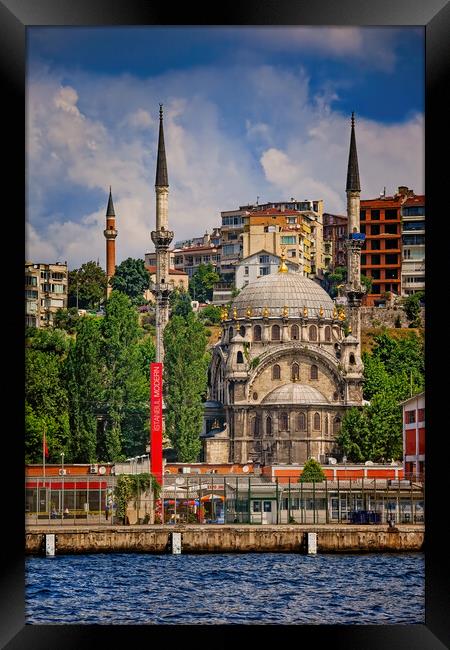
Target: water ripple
[[234, 589]]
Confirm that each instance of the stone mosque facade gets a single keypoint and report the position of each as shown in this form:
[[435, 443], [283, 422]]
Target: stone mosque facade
[[287, 365]]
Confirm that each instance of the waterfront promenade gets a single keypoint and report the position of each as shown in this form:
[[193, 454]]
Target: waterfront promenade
[[232, 538]]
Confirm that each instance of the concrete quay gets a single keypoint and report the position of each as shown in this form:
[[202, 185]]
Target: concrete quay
[[233, 538]]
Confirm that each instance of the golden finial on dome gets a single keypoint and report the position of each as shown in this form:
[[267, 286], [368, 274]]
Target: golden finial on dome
[[341, 315], [283, 267], [349, 328], [225, 311], [266, 312], [335, 312], [222, 314], [248, 311], [305, 312], [235, 313], [285, 311], [321, 311]]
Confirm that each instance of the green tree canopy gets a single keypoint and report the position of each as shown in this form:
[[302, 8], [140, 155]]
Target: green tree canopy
[[185, 378], [180, 303], [89, 284], [411, 306], [202, 282], [210, 314], [131, 278], [66, 319], [312, 472]]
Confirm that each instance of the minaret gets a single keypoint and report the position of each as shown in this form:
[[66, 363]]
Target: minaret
[[354, 290], [162, 238], [110, 235]]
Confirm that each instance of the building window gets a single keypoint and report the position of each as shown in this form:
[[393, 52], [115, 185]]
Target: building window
[[390, 229], [375, 230], [276, 371], [301, 422], [245, 270], [391, 243], [375, 289], [374, 215], [391, 274], [275, 332], [410, 417], [264, 259], [421, 415], [295, 372], [268, 425], [362, 215], [284, 422], [375, 274], [325, 422], [327, 333], [291, 219], [391, 258], [389, 215], [294, 333], [416, 211], [264, 270], [363, 260], [257, 333], [240, 357], [29, 293], [288, 239], [375, 245], [313, 333], [375, 259], [352, 359], [31, 281], [336, 424], [255, 426], [230, 333], [242, 330], [316, 421], [314, 372]]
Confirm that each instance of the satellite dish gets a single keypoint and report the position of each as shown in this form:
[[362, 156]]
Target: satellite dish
[[245, 468], [179, 480], [368, 462], [102, 470]]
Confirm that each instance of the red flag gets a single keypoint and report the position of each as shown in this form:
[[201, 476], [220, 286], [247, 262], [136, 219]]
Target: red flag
[[44, 447]]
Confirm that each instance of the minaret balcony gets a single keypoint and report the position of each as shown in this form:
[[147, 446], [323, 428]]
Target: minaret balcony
[[162, 239], [110, 233]]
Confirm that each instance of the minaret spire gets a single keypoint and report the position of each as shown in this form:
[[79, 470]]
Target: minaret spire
[[353, 184], [110, 235], [162, 238]]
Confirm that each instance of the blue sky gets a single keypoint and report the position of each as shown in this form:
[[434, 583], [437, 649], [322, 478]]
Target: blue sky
[[249, 111]]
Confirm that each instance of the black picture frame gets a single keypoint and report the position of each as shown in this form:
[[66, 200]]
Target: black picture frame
[[15, 17]]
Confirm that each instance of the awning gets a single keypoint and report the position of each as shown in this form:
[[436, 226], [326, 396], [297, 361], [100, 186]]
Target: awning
[[211, 497]]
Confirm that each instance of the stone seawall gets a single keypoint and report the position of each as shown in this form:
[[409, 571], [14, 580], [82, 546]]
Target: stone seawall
[[226, 539]]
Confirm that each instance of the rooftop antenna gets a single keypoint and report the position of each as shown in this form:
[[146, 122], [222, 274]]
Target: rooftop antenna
[[257, 199]]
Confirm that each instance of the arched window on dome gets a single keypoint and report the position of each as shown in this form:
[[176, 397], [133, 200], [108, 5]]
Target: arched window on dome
[[325, 424], [295, 333], [284, 422], [230, 333], [255, 426], [242, 330], [239, 357], [314, 372], [316, 421], [268, 425], [275, 332], [327, 333], [276, 371], [336, 424], [295, 372], [313, 333], [257, 333], [352, 359], [301, 422]]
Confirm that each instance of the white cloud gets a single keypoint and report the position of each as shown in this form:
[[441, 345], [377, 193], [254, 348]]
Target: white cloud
[[229, 137]]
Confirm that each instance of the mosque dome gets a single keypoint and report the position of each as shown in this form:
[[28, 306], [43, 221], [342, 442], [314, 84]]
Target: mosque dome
[[295, 393], [279, 290]]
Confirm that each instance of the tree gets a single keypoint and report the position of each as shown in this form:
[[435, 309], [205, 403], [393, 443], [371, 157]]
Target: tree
[[87, 286], [312, 472], [46, 406], [411, 306], [131, 278], [126, 393], [210, 315], [66, 319], [180, 303], [185, 379], [202, 282], [83, 373]]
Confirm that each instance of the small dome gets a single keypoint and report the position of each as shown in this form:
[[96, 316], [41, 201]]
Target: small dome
[[279, 290], [294, 393]]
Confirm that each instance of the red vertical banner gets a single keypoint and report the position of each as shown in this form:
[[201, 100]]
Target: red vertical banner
[[156, 421]]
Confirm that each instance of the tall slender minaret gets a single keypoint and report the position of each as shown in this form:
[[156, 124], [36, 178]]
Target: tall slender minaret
[[354, 290], [110, 235], [162, 238]]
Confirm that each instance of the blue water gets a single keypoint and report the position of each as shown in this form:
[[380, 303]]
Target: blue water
[[243, 589]]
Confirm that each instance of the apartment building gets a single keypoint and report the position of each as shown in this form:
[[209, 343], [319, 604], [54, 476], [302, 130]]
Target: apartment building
[[45, 292], [231, 229], [381, 254], [334, 238], [413, 245], [261, 263]]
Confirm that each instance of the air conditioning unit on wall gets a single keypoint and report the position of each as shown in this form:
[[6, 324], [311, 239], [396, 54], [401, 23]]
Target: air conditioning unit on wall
[[62, 472]]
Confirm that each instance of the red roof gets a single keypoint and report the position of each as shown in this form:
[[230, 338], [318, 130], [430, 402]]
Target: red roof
[[195, 249], [152, 269], [419, 199]]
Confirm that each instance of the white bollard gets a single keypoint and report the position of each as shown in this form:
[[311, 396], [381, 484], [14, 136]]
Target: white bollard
[[50, 544], [311, 540], [176, 543]]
